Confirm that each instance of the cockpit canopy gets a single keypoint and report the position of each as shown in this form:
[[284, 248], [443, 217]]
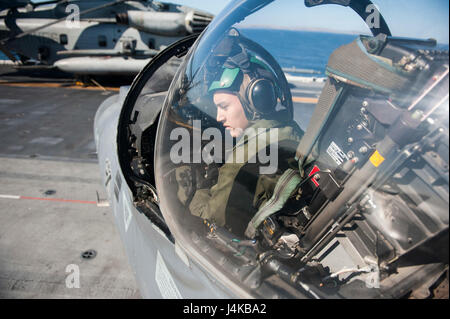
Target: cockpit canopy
[[291, 152]]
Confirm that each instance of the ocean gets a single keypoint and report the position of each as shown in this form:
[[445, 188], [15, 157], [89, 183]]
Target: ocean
[[303, 49], [299, 49]]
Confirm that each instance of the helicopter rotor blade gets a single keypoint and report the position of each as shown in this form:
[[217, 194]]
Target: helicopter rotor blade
[[5, 4]]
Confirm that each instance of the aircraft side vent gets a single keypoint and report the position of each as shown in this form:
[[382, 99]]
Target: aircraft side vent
[[199, 21]]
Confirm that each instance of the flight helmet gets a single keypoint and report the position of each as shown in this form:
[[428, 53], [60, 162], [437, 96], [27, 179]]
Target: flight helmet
[[246, 73]]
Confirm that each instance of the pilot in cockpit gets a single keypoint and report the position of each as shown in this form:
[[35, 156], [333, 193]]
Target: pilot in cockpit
[[254, 105]]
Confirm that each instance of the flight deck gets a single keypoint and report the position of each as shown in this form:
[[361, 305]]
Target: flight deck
[[52, 223]]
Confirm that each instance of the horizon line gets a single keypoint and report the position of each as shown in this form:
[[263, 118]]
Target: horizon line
[[318, 30]]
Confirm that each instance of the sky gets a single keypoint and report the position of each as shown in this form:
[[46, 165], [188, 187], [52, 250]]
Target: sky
[[408, 18]]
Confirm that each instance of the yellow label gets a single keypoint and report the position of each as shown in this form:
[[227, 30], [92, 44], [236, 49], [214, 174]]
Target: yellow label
[[376, 159]]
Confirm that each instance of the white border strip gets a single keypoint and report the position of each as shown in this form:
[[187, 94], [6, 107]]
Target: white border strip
[[9, 196]]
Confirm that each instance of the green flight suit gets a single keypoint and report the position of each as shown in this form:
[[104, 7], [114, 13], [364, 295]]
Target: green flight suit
[[241, 189]]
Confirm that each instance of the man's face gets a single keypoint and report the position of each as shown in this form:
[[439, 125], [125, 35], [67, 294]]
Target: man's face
[[230, 113]]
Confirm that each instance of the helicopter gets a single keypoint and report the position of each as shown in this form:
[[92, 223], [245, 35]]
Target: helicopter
[[362, 210], [93, 37]]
